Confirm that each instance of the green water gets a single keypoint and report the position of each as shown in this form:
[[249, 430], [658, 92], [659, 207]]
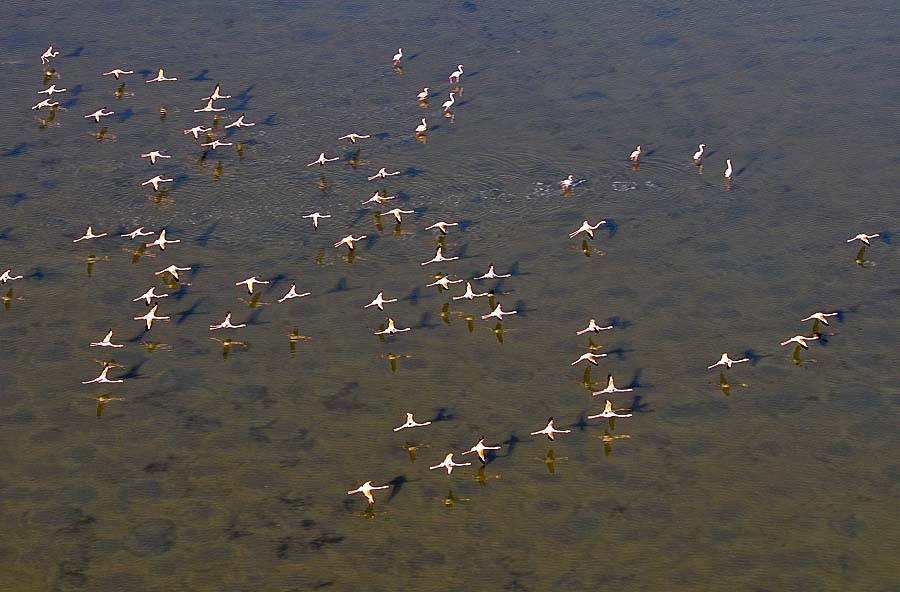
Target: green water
[[230, 473]]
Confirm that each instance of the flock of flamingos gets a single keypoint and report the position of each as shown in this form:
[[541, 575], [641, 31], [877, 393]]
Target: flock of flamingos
[[207, 137]]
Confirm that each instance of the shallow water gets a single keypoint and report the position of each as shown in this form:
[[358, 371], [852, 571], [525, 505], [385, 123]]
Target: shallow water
[[230, 473]]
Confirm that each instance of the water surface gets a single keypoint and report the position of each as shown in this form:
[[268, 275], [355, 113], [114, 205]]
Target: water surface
[[230, 473]]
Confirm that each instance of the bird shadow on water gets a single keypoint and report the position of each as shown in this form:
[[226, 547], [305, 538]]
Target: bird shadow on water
[[340, 286], [396, 484], [425, 321], [134, 372], [619, 352], [137, 338], [275, 282], [15, 150], [361, 214], [125, 115], [500, 287], [511, 444], [611, 228], [16, 197], [254, 319], [581, 425], [443, 414], [591, 95], [754, 357], [244, 99], [197, 269], [619, 322], [522, 309], [201, 77], [5, 233], [180, 293], [824, 339], [180, 180], [463, 252], [75, 53], [516, 271], [186, 314], [204, 238], [637, 407], [413, 297], [636, 380]]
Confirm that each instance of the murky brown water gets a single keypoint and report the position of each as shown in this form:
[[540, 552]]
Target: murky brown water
[[230, 474]]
